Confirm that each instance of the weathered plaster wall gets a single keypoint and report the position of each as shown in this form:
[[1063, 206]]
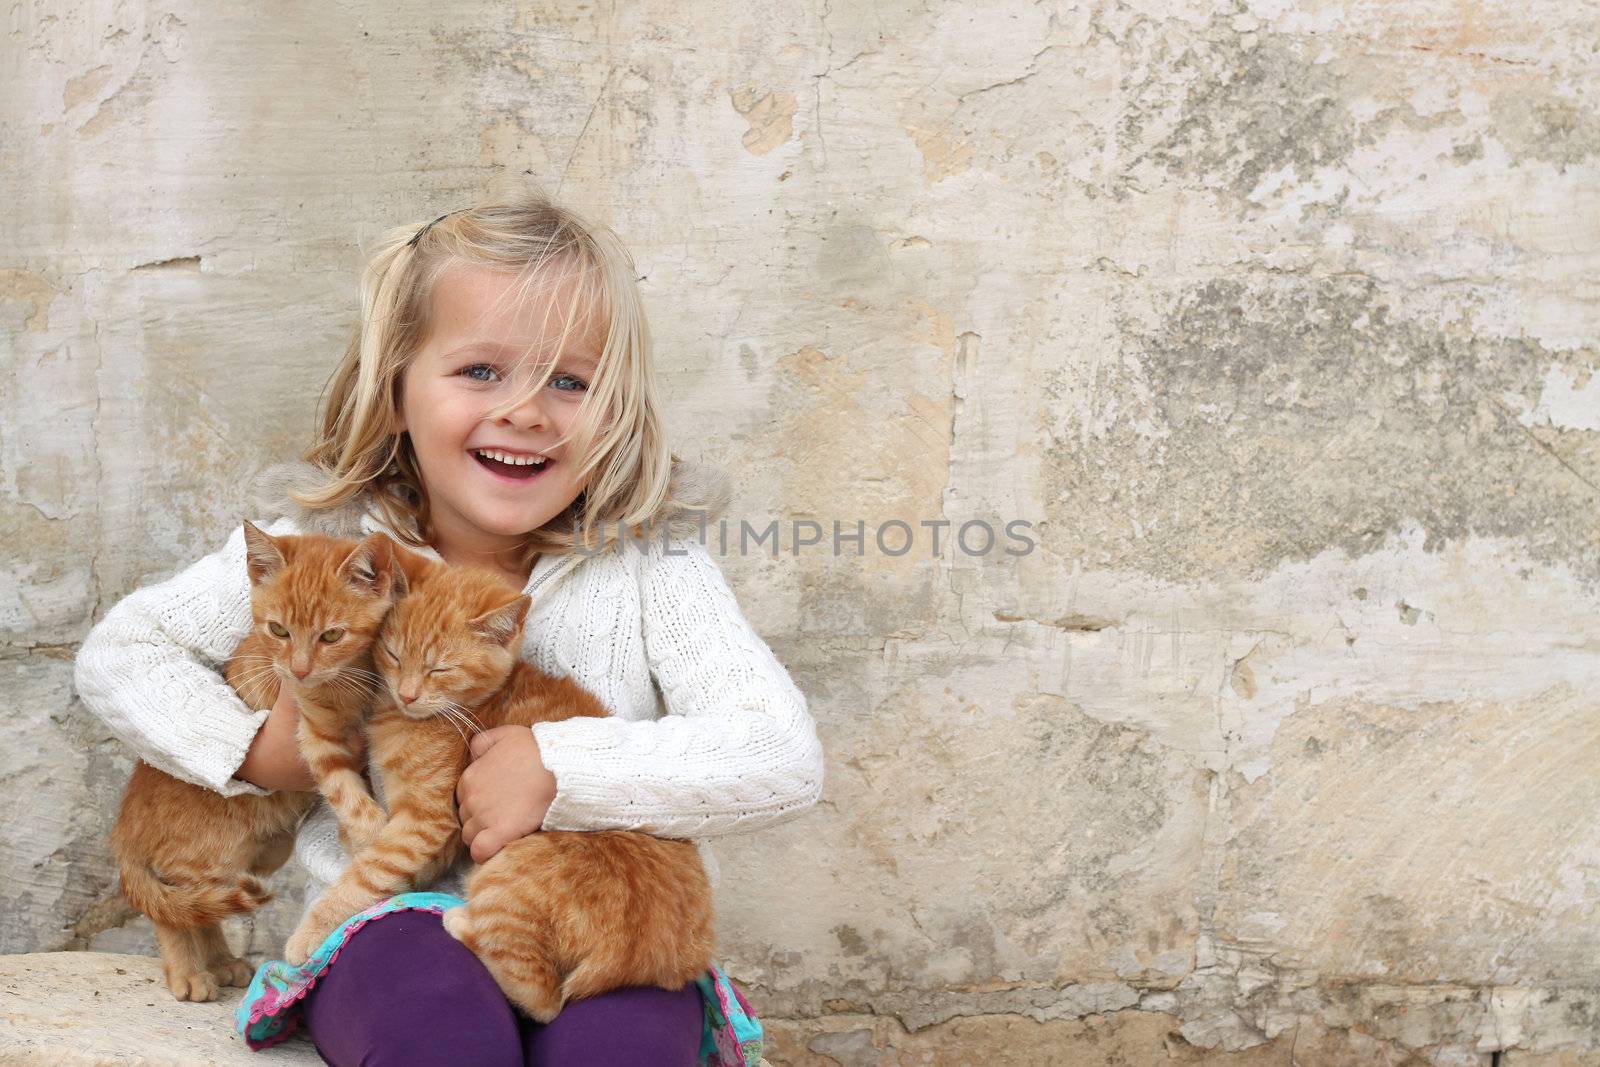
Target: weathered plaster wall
[[1276, 319]]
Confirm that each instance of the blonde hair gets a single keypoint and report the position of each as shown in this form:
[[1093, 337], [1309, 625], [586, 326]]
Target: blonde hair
[[618, 436]]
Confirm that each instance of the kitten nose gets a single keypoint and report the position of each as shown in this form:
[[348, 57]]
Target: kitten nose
[[299, 671], [409, 698]]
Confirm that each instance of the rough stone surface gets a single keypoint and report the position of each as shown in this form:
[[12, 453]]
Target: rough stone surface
[[1275, 320], [88, 1009]]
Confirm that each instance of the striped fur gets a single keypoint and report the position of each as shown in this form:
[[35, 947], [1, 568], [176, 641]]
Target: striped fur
[[554, 916], [188, 856]]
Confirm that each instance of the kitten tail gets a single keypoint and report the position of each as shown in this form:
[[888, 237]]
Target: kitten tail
[[194, 904]]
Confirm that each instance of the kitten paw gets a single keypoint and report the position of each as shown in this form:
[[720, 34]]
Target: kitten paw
[[192, 985], [457, 923], [300, 945], [233, 972]]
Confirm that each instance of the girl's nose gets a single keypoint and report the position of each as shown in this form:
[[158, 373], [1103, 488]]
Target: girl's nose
[[528, 414]]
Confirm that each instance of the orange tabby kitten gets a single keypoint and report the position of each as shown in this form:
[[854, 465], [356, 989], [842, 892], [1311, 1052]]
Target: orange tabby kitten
[[554, 916], [328, 613], [189, 857]]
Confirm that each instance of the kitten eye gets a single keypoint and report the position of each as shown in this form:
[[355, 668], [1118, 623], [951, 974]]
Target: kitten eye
[[387, 651], [330, 636], [441, 670], [277, 630]]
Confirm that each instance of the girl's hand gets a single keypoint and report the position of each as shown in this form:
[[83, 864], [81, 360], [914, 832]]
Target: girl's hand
[[504, 792], [273, 760]]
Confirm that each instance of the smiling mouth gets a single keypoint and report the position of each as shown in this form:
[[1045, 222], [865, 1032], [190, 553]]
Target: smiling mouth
[[511, 467]]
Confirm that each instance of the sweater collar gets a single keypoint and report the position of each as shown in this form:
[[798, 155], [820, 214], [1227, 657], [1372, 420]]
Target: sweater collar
[[543, 568]]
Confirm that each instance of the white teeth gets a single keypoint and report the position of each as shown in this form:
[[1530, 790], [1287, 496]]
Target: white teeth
[[515, 461]]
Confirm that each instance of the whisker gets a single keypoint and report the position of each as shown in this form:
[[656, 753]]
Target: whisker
[[344, 691], [253, 675], [348, 690], [467, 716], [350, 679], [253, 671], [445, 714], [455, 713]]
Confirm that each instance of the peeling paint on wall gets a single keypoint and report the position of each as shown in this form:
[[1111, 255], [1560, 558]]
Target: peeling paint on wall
[[771, 118]]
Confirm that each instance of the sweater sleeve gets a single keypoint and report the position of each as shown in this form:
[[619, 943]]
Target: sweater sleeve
[[737, 750], [152, 669]]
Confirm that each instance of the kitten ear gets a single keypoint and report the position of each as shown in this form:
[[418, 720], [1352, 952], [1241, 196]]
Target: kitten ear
[[399, 584], [409, 568], [264, 558], [370, 566], [503, 623], [394, 563]]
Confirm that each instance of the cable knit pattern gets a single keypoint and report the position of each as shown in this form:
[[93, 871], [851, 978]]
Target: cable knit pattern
[[737, 750], [708, 733]]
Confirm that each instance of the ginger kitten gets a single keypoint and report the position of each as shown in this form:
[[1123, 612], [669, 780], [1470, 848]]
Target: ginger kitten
[[326, 598], [189, 857], [555, 915]]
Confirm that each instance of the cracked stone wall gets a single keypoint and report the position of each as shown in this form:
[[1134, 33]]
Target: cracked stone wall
[[1275, 320]]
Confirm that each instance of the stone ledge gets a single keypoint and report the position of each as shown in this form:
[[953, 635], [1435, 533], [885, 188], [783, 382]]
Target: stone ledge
[[88, 1009], [98, 1009]]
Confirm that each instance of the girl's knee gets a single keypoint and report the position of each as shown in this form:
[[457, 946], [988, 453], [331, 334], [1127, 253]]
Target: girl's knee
[[483, 1048], [444, 1026], [403, 993], [640, 1024]]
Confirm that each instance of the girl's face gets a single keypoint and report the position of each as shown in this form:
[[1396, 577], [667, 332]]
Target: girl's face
[[475, 359]]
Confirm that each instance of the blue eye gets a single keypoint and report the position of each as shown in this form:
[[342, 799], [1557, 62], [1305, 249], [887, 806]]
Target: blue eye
[[471, 374]]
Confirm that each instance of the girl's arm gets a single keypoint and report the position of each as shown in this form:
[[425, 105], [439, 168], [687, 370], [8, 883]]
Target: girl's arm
[[738, 750], [274, 760], [151, 669]]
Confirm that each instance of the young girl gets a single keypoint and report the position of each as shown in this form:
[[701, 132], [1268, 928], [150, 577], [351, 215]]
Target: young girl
[[496, 406]]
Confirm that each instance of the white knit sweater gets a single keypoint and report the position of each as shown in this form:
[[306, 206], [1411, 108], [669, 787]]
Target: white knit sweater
[[708, 734]]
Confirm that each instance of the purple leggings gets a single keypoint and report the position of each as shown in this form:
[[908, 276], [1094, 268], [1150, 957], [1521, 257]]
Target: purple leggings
[[404, 992]]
